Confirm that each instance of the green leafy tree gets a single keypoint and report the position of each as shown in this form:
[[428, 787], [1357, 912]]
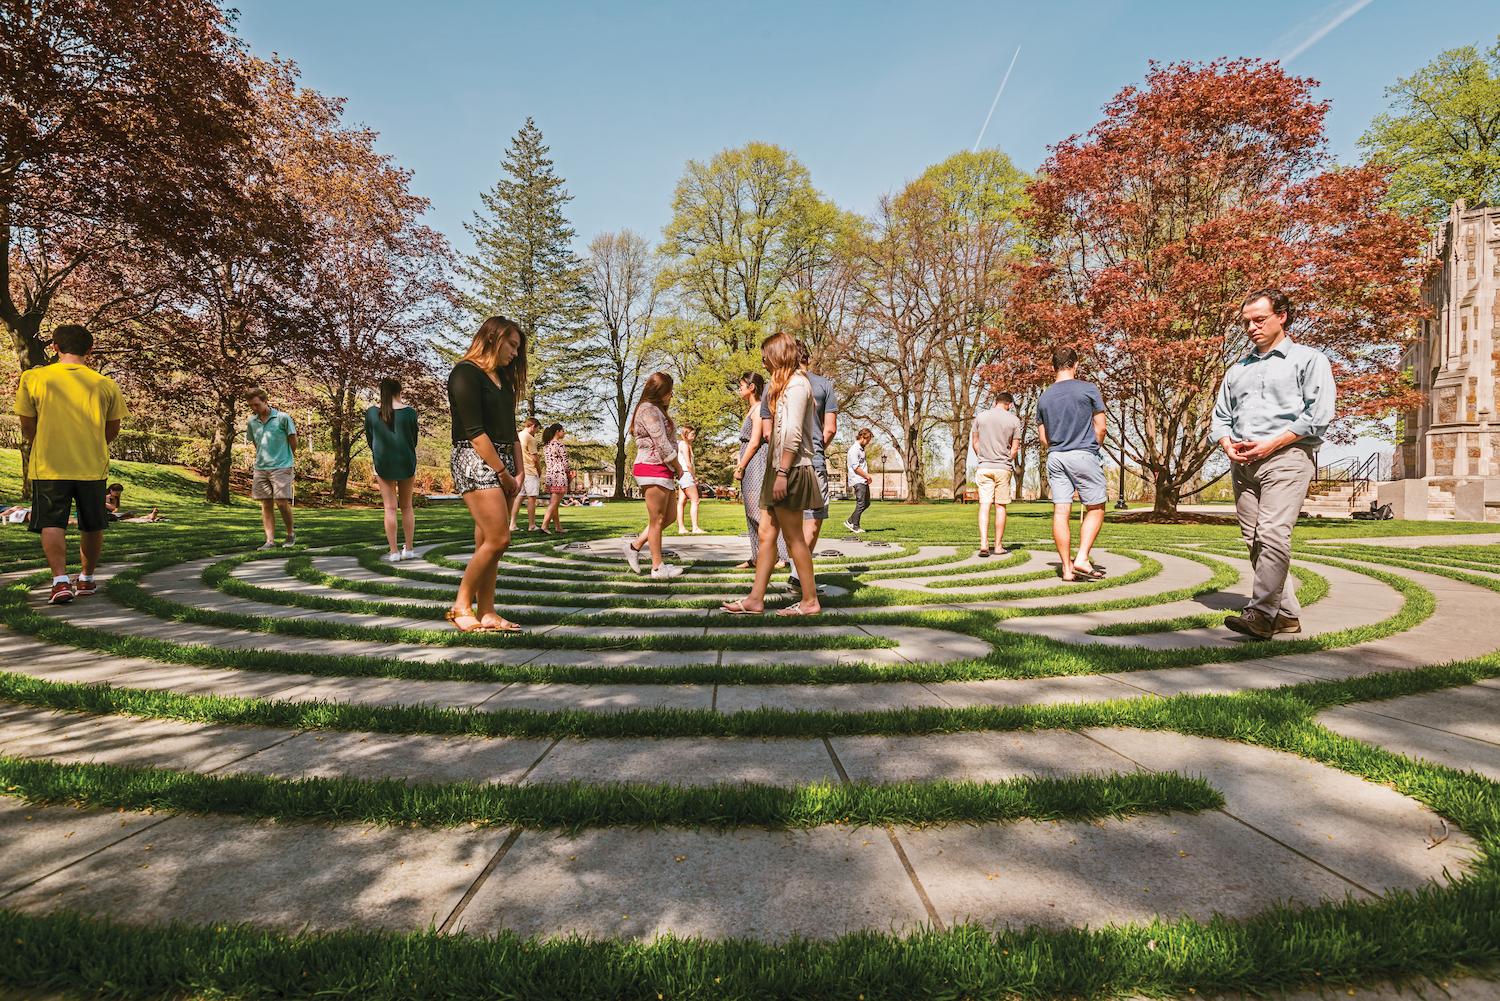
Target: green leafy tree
[[1442, 134], [524, 267]]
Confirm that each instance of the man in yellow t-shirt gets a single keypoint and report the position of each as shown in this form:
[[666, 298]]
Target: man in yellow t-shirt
[[70, 413]]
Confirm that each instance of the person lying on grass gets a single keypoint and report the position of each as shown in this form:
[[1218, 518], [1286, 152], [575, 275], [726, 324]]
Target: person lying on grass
[[112, 506]]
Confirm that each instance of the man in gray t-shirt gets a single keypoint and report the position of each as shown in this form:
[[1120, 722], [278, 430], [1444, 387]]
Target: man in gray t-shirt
[[996, 439]]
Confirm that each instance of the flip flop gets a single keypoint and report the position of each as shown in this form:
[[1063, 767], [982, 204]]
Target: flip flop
[[1088, 574], [506, 626], [738, 608], [747, 565], [793, 611]]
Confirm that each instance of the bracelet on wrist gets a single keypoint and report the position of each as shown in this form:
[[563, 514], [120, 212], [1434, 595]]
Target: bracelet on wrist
[[782, 472]]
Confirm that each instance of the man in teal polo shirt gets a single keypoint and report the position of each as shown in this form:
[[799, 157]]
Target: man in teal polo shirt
[[274, 436], [1272, 410]]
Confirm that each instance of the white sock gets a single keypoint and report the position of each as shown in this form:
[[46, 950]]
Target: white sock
[[85, 576], [62, 579]]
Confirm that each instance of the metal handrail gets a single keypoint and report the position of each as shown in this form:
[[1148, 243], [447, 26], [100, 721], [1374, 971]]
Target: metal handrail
[[1358, 473]]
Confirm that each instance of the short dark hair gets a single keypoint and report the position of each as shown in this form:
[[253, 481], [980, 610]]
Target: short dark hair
[[864, 433], [113, 487], [1279, 300], [73, 339], [804, 353], [1004, 398], [1064, 357], [257, 394]]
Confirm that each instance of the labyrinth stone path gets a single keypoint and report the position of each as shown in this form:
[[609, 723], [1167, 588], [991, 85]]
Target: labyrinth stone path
[[353, 656]]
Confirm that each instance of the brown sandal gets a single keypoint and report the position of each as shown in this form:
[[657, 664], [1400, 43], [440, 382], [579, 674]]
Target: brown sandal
[[453, 615]]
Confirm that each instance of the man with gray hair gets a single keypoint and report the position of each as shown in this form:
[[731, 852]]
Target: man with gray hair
[[1273, 407]]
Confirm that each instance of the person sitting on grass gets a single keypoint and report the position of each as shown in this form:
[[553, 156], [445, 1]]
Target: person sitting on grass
[[69, 413], [112, 506], [16, 514]]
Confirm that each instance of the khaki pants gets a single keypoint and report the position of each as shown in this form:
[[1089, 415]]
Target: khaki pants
[[1268, 496]]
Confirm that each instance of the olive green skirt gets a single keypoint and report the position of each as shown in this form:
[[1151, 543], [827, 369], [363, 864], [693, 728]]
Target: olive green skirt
[[802, 492]]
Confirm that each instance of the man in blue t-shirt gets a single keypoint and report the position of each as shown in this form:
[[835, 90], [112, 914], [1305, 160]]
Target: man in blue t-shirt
[[274, 435], [827, 404], [1070, 415]]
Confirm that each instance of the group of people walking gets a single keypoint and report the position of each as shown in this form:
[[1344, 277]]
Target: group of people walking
[[1269, 417]]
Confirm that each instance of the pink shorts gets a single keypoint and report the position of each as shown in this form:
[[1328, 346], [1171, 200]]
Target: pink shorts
[[650, 474]]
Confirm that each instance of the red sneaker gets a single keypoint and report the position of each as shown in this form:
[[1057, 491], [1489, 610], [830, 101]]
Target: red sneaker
[[85, 588], [62, 593]]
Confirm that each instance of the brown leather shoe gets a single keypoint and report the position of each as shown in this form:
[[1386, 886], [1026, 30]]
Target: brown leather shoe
[[1288, 624], [1256, 625]]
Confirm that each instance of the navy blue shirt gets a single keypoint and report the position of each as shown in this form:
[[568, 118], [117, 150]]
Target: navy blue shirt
[[1067, 411]]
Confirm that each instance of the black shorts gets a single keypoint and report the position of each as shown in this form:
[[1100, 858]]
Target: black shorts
[[52, 502]]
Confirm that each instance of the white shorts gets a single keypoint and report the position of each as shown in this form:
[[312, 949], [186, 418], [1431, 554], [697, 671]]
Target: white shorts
[[687, 480], [531, 486]]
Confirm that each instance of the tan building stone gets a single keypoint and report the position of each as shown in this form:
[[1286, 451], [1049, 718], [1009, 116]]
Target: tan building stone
[[1447, 462]]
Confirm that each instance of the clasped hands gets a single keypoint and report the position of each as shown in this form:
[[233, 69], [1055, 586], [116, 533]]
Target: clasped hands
[[1254, 451]]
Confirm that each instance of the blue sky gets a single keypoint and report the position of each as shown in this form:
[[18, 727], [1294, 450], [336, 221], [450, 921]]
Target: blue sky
[[866, 94]]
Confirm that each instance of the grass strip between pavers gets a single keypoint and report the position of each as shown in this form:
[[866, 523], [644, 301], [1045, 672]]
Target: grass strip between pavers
[[1433, 930], [573, 806]]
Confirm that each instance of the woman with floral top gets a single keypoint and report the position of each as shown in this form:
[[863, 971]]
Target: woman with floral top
[[555, 455], [656, 471]]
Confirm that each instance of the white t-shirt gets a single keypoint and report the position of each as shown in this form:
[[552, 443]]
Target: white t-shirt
[[856, 462]]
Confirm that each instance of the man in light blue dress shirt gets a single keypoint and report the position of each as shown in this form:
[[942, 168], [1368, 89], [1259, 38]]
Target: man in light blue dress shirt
[[1274, 406]]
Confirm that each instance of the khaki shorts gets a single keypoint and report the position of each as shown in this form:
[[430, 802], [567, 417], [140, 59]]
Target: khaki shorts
[[273, 484], [994, 486]]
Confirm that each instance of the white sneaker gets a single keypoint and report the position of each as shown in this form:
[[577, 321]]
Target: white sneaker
[[851, 526], [407, 553], [395, 557], [665, 572], [632, 556]]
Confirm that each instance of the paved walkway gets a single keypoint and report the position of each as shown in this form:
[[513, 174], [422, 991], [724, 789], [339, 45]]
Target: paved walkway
[[1291, 829]]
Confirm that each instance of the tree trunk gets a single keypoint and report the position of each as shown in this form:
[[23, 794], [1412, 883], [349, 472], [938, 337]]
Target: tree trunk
[[1163, 495], [620, 403], [26, 340], [343, 448], [221, 453], [916, 483], [960, 455]]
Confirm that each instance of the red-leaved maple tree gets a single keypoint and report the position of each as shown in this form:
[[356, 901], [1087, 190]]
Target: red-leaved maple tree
[[1201, 185]]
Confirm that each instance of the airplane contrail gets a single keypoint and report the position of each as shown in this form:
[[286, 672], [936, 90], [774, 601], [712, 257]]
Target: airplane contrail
[[1321, 33], [993, 104]]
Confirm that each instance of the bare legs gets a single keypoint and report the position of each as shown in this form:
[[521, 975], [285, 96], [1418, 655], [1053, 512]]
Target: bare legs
[[658, 506], [55, 548], [788, 524], [395, 495], [491, 512], [551, 515], [688, 497], [268, 509], [530, 513], [1062, 536], [984, 525]]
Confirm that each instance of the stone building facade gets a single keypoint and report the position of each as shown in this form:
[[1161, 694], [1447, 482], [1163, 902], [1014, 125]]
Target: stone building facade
[[1447, 462]]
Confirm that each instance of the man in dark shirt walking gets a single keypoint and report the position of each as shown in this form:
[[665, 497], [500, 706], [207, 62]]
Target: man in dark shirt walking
[[1070, 416]]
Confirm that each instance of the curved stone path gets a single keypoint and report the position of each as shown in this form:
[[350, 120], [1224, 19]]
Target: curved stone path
[[343, 629]]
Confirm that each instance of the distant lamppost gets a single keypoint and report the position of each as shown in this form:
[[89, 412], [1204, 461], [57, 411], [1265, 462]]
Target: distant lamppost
[[1120, 504]]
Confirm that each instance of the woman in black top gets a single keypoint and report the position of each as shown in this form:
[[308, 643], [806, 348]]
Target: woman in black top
[[482, 390]]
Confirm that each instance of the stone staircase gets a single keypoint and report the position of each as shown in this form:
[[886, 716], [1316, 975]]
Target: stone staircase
[[1337, 500]]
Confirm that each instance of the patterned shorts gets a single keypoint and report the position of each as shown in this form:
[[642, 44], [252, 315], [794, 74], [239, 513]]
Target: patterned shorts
[[470, 472]]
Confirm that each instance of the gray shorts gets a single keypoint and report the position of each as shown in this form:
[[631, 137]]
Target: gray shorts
[[819, 513], [273, 484], [1080, 470]]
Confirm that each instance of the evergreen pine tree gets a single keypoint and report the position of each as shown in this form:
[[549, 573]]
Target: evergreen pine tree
[[524, 267]]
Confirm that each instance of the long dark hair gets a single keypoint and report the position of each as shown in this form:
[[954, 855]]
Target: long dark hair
[[757, 382], [389, 390], [654, 392], [550, 433], [484, 348]]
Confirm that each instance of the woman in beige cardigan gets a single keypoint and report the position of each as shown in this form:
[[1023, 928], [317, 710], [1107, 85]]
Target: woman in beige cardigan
[[790, 486]]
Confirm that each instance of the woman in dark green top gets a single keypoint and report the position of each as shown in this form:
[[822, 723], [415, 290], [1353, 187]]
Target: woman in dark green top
[[391, 432], [482, 390]]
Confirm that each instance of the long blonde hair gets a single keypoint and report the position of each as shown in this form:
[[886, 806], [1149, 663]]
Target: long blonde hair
[[782, 358], [485, 348]]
